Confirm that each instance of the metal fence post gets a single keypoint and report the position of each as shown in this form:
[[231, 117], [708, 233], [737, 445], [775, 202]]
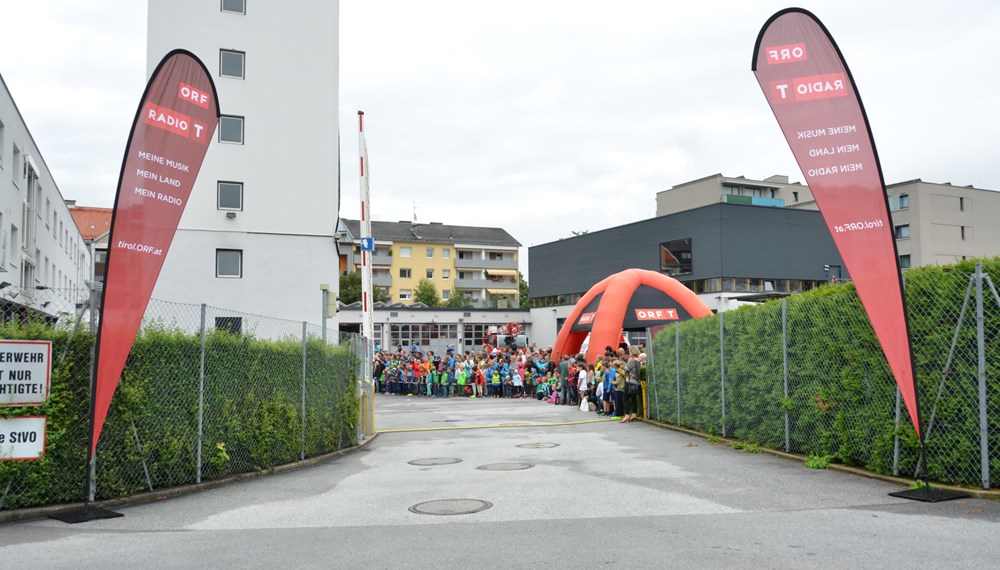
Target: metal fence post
[[201, 396], [895, 442], [677, 363], [981, 371], [722, 370], [784, 365], [651, 380], [895, 438], [303, 454]]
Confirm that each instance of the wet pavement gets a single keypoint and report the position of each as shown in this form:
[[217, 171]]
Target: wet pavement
[[496, 483]]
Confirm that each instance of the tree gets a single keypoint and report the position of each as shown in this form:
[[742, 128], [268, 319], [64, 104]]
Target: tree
[[522, 291], [350, 289], [458, 302], [426, 293]]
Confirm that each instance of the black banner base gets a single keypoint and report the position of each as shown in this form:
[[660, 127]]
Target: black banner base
[[929, 495], [87, 513]]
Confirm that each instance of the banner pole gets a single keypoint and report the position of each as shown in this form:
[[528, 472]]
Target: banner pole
[[89, 489]]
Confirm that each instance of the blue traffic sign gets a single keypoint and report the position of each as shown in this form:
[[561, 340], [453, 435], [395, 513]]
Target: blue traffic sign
[[367, 244]]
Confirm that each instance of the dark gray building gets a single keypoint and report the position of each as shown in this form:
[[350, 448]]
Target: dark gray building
[[724, 252]]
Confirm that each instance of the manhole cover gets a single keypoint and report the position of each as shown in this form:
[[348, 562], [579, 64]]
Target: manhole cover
[[505, 466], [451, 507], [435, 461], [537, 445]]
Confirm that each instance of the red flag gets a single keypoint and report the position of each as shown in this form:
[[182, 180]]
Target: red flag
[[173, 126], [813, 97]]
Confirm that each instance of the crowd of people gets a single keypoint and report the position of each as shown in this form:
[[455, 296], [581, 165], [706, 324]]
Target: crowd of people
[[609, 386]]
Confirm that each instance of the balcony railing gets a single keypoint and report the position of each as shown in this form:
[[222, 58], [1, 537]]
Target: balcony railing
[[475, 283], [380, 259], [485, 264]]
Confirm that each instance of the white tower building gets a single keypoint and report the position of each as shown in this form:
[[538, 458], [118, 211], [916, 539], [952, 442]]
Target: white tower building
[[257, 234]]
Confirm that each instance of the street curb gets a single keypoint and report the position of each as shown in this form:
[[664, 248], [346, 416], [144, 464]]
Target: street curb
[[159, 495], [989, 494]]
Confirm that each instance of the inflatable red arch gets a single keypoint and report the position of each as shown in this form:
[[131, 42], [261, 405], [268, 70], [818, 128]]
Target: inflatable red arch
[[633, 299]]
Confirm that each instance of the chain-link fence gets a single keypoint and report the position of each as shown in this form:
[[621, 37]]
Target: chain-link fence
[[206, 393], [807, 375]]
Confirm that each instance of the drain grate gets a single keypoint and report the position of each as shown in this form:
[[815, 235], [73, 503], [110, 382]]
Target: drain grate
[[445, 507], [537, 445], [505, 466], [435, 461]]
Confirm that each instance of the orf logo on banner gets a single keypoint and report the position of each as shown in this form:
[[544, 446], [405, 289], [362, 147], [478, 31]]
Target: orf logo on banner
[[173, 126], [656, 314], [813, 97]]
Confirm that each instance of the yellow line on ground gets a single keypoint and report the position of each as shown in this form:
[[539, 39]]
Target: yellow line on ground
[[511, 425]]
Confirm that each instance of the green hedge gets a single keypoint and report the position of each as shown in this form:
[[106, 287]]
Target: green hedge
[[841, 399], [252, 412]]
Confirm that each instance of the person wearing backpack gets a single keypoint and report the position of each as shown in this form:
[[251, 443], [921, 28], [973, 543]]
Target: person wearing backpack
[[608, 388], [618, 369]]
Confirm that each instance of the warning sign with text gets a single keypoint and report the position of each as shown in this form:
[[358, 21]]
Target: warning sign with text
[[25, 372]]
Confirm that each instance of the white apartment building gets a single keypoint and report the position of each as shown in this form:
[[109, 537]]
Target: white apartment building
[[257, 234], [44, 263]]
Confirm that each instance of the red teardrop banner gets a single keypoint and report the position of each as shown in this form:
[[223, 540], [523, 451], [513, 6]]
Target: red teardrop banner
[[813, 97], [171, 132]]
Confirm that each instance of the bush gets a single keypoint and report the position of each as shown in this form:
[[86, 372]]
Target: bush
[[841, 393], [252, 412]]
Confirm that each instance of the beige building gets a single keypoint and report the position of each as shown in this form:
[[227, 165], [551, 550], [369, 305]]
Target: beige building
[[476, 263], [775, 191], [941, 223]]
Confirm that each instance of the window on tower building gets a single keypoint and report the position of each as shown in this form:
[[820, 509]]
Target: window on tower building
[[230, 196], [231, 129], [229, 263], [234, 6], [231, 63]]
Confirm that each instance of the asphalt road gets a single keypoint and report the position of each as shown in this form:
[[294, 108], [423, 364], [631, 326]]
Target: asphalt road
[[606, 495]]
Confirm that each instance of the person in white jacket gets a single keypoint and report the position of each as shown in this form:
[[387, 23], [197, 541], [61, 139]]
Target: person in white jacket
[[583, 384]]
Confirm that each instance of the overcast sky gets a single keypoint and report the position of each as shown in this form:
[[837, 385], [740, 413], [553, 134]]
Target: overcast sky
[[543, 117]]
